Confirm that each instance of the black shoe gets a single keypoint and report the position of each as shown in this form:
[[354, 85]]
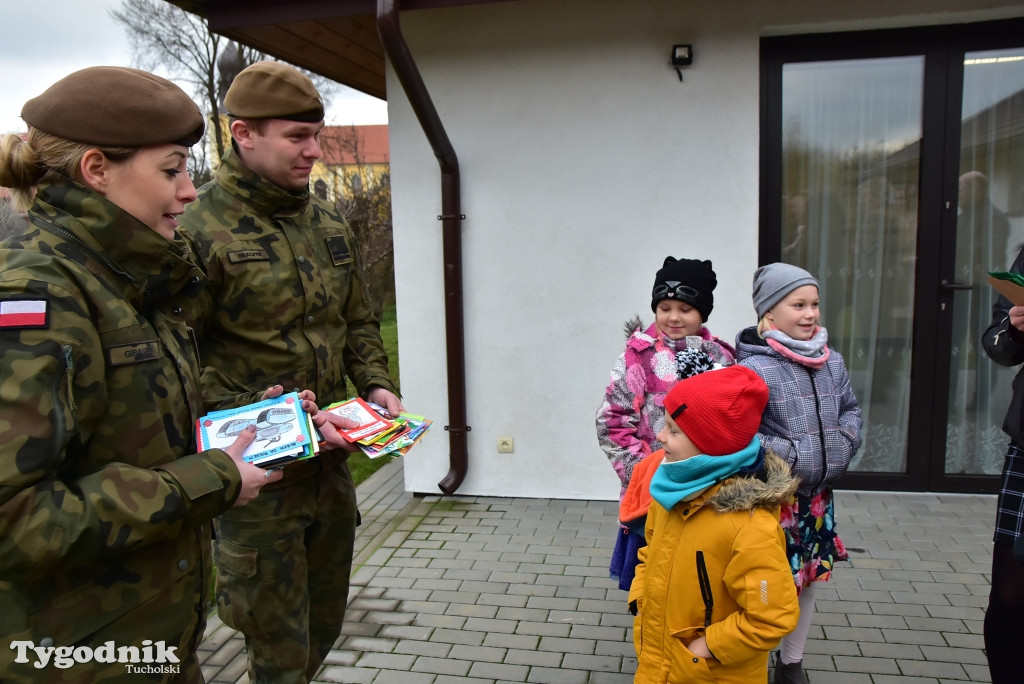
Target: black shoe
[[789, 673]]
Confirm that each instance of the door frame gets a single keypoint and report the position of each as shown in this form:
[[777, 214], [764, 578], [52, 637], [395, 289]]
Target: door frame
[[943, 49]]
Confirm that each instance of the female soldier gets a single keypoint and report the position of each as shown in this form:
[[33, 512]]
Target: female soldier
[[104, 507]]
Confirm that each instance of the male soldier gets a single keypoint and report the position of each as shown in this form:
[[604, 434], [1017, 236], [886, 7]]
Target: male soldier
[[287, 304]]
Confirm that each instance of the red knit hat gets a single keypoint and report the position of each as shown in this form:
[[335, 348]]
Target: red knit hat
[[719, 410]]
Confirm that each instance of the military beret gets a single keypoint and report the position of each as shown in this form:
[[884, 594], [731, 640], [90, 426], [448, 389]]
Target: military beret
[[116, 107], [272, 90]]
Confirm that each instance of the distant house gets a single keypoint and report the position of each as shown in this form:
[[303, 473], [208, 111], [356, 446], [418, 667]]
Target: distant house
[[352, 157], [596, 137]]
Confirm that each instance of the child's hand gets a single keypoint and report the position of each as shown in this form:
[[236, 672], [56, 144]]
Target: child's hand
[[699, 648]]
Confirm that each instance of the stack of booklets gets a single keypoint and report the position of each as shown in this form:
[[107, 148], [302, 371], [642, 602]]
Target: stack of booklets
[[377, 434], [284, 432]]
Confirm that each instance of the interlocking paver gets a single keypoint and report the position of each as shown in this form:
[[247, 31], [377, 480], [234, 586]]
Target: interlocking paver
[[489, 590]]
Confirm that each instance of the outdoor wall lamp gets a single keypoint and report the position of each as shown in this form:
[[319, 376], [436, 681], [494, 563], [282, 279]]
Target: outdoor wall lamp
[[682, 55]]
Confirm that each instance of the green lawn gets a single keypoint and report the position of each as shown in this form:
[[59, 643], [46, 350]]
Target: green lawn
[[361, 466]]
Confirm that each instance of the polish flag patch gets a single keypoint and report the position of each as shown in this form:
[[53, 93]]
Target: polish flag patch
[[23, 313]]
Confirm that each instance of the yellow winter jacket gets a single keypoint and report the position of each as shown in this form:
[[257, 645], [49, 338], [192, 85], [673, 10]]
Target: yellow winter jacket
[[734, 527]]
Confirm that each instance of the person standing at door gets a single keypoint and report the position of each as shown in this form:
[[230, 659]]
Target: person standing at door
[[287, 305], [982, 230], [1003, 341], [982, 237], [812, 421]]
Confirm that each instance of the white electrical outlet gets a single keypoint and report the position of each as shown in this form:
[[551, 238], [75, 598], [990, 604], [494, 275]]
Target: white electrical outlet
[[506, 445]]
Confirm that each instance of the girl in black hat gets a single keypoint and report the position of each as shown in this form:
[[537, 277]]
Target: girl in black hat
[[677, 345]]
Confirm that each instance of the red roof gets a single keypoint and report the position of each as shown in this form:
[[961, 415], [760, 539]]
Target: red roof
[[344, 145]]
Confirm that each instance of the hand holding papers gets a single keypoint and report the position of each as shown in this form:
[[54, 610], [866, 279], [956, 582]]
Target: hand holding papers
[[1010, 285], [378, 435], [284, 432], [368, 422]]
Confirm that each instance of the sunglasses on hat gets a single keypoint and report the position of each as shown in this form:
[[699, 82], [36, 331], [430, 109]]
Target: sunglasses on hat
[[674, 289]]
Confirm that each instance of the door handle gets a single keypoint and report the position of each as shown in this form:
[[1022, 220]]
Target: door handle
[[948, 286]]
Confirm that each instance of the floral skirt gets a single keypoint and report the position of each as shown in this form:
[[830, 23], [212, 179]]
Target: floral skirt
[[624, 558], [812, 544]]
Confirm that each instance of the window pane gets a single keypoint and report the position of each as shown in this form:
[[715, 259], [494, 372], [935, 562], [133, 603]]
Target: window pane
[[851, 145], [988, 237]]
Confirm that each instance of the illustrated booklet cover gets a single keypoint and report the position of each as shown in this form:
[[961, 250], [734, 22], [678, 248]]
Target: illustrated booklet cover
[[284, 432], [377, 434]]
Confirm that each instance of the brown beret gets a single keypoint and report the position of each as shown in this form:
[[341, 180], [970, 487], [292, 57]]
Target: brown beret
[[116, 107], [272, 90]]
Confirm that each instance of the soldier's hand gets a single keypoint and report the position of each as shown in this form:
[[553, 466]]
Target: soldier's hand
[[272, 392], [382, 397], [328, 424], [253, 477], [308, 399]]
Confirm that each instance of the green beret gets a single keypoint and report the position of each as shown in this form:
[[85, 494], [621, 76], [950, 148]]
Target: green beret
[[272, 90], [116, 107]]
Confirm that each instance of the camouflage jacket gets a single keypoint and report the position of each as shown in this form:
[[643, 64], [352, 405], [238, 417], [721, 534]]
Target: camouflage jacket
[[287, 303], [104, 507]]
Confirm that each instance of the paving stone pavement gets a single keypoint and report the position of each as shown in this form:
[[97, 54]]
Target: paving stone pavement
[[485, 590]]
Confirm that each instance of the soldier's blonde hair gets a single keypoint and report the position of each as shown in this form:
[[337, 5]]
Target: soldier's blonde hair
[[24, 162]]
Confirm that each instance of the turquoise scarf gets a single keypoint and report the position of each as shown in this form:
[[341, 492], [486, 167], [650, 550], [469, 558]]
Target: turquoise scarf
[[674, 482]]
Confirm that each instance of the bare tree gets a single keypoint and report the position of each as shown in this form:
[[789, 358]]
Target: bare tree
[[165, 38], [363, 195]]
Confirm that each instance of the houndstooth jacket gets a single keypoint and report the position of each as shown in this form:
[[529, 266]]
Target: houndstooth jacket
[[812, 419]]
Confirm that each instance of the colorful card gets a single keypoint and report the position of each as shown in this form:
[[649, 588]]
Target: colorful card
[[377, 434]]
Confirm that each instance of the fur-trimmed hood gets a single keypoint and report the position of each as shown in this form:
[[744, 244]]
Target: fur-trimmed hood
[[768, 489], [634, 324], [640, 338], [737, 558]]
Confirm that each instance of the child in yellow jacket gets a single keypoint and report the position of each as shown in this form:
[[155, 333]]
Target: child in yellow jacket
[[713, 593]]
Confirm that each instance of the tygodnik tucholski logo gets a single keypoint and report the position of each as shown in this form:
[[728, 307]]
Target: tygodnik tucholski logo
[[150, 658]]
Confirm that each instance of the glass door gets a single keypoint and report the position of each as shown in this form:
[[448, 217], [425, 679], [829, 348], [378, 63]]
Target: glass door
[[989, 233], [893, 169], [850, 177]]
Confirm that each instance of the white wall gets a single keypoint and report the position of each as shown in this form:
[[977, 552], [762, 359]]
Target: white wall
[[584, 162]]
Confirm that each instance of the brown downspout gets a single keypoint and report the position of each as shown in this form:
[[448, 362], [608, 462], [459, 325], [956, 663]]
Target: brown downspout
[[451, 217]]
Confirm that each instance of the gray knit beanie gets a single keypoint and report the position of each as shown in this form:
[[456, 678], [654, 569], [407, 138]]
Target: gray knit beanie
[[773, 282]]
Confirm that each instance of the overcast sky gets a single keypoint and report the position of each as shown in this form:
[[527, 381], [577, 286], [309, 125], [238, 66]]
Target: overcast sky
[[45, 40]]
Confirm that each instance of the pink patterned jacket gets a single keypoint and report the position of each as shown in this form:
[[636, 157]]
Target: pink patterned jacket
[[633, 411]]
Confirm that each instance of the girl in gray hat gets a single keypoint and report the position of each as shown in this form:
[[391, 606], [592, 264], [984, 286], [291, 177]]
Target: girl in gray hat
[[812, 421]]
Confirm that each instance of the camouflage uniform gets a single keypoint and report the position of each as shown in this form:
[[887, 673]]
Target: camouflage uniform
[[288, 305], [104, 507]]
